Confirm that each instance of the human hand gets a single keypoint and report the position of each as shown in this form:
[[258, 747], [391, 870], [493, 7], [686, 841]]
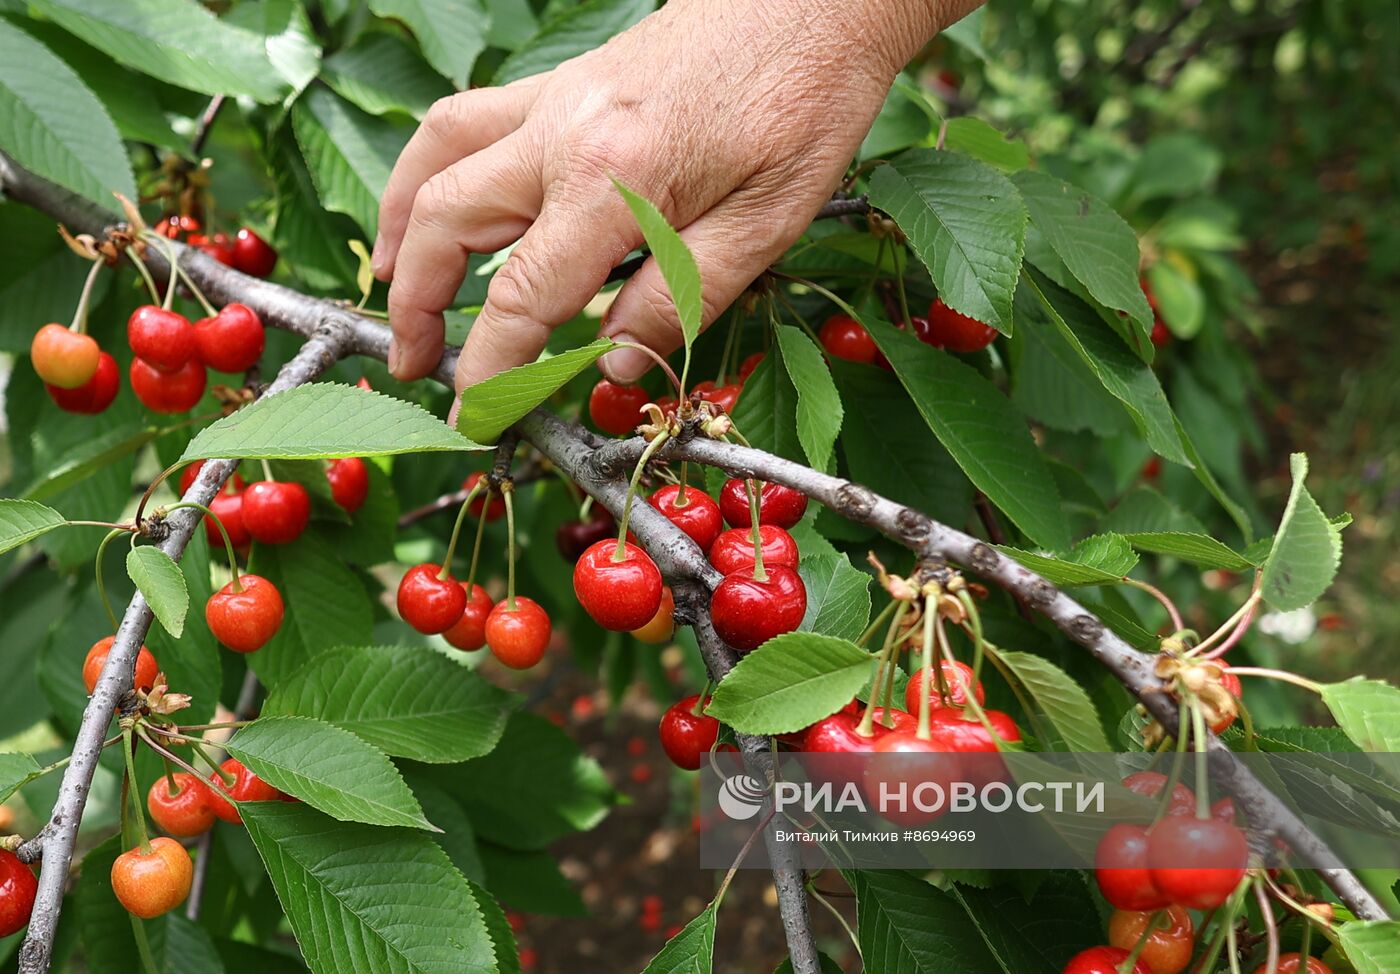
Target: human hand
[[736, 117]]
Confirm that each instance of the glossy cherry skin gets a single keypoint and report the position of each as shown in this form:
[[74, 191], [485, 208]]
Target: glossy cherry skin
[[957, 677], [469, 632], [840, 734], [168, 392], [1120, 868], [924, 763], [748, 612], [191, 473], [245, 621], [698, 517], [276, 512], [618, 595], [64, 358], [845, 338], [430, 601], [1293, 964], [575, 537], [1149, 784], [686, 736], [349, 480], [725, 397], [518, 637], [147, 669], [617, 409], [18, 887], [150, 884], [252, 254], [219, 246], [732, 551], [492, 503], [188, 812], [232, 340], [1195, 862], [1102, 960], [246, 787], [957, 332], [228, 507], [952, 731], [662, 625], [777, 505], [747, 366], [1168, 947], [164, 339], [94, 395]]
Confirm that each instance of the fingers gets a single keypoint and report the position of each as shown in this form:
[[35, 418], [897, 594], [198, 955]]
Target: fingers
[[479, 204], [733, 243], [454, 128], [557, 268]]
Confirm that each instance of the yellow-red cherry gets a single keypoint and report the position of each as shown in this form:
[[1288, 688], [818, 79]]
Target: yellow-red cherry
[[430, 600], [1169, 945], [189, 811], [246, 787], [662, 625], [62, 357], [619, 593], [1102, 960], [1294, 964], [148, 884], [518, 635], [245, 614], [147, 669]]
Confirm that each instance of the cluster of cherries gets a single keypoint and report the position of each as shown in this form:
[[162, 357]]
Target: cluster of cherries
[[616, 408], [245, 251], [845, 338]]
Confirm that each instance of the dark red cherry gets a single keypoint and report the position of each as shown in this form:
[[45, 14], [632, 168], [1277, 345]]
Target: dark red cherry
[[617, 409], [490, 501], [168, 392], [349, 480], [845, 338], [732, 551], [573, 538], [252, 254], [621, 594], [430, 600], [164, 339], [956, 331], [232, 340], [687, 736], [747, 612], [276, 512], [1196, 862], [93, 396], [777, 504], [698, 515]]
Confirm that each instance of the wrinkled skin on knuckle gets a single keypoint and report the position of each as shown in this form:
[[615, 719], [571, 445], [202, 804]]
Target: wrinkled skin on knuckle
[[510, 293]]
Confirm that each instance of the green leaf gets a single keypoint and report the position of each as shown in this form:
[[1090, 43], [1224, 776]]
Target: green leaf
[[976, 138], [1102, 559], [838, 596], [160, 581], [1065, 704], [1180, 298], [323, 421], [349, 153], [451, 33], [1368, 710], [981, 429], [1373, 947], [191, 661], [329, 768], [692, 951], [908, 927], [1143, 510], [967, 223], [1307, 548], [1035, 934], [383, 73], [490, 407], [87, 458], [367, 899], [409, 701], [174, 40], [53, 125], [967, 33], [818, 404], [1181, 164], [677, 263], [38, 280], [287, 37], [1095, 243], [530, 881], [498, 926], [16, 770], [312, 239], [790, 682], [23, 521], [1200, 550], [572, 32], [767, 409]]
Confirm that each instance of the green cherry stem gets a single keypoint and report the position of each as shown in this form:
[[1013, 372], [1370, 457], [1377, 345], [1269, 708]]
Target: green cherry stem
[[620, 552], [220, 773], [1154, 923], [885, 658], [974, 620], [174, 277], [930, 614], [506, 492], [143, 946], [759, 574], [145, 273], [1282, 675], [267, 470], [1183, 723], [223, 533], [879, 621], [80, 313], [198, 294], [480, 485], [900, 292], [1198, 732], [139, 818], [170, 787], [681, 499], [476, 552], [101, 584]]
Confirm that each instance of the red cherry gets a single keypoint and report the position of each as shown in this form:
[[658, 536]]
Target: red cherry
[[747, 612], [93, 396], [219, 246], [149, 884], [617, 409], [575, 537], [188, 812], [777, 504], [1232, 685], [1161, 334], [191, 472], [246, 787], [957, 677], [619, 595], [732, 551], [276, 512], [698, 517], [1168, 948], [955, 731], [228, 507], [349, 480], [431, 600], [687, 736], [1102, 960], [1293, 963], [1120, 867], [1224, 810], [1197, 862], [174, 226], [840, 734], [168, 392], [253, 255], [518, 636], [922, 330], [64, 358], [1149, 784], [725, 397], [18, 887], [906, 774], [844, 337], [493, 503], [956, 331], [747, 366], [147, 669], [469, 632], [662, 625], [245, 620], [164, 339], [232, 340]]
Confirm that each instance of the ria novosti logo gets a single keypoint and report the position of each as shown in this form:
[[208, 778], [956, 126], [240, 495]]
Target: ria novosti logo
[[741, 796]]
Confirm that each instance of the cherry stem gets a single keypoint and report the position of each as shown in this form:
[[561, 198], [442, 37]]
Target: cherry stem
[[620, 553], [1160, 596], [821, 898], [222, 775], [482, 484], [80, 314], [1244, 611], [1233, 949], [146, 497], [797, 316], [1233, 639], [267, 470], [223, 533], [1266, 913], [900, 292], [174, 277], [1198, 731], [867, 720], [476, 552], [170, 787], [143, 946], [1301, 910], [681, 499], [659, 360], [755, 493], [101, 583], [198, 294], [699, 709], [970, 698], [145, 273], [139, 821], [1154, 922], [506, 491], [743, 854], [1282, 675], [930, 614], [974, 619], [877, 623], [729, 341]]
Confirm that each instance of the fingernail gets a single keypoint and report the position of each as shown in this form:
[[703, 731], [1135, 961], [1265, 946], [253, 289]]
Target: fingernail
[[393, 356], [376, 256], [626, 365]]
